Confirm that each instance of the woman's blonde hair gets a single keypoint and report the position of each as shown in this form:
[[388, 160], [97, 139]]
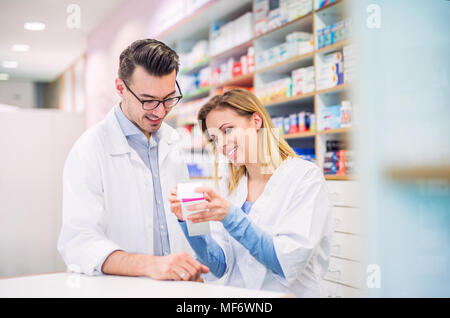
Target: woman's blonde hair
[[273, 150]]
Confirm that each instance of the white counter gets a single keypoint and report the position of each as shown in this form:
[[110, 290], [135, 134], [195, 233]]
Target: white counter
[[66, 285]]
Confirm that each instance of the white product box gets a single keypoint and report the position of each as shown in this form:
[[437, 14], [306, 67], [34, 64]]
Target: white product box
[[242, 28], [187, 196], [303, 81], [332, 58], [324, 83], [274, 19]]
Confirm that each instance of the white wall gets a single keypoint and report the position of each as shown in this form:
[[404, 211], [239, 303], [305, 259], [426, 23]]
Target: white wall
[[17, 93], [34, 144]]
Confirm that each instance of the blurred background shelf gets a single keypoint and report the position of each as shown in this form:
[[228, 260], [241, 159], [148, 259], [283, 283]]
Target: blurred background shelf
[[198, 93], [242, 80], [314, 102], [195, 68], [300, 135], [335, 131], [418, 172], [341, 178]]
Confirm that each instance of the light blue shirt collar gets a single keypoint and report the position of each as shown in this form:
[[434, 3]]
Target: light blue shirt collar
[[129, 129]]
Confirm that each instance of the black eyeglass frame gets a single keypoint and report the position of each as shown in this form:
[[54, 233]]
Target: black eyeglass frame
[[157, 100]]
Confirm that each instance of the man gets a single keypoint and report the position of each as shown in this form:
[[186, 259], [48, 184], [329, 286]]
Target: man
[[116, 217]]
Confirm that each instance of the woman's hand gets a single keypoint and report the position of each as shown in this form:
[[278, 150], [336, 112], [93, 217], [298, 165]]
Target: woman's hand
[[175, 204], [216, 207]]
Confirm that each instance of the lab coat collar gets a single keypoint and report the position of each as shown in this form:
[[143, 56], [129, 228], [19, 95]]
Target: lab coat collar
[[239, 195], [117, 144]]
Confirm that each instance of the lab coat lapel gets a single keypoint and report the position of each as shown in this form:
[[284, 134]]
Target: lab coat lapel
[[239, 195], [167, 137], [259, 213], [163, 151]]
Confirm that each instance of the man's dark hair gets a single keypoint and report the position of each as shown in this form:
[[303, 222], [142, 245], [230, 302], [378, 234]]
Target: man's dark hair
[[154, 56]]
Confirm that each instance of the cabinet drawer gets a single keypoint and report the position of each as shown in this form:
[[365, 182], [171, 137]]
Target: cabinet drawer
[[347, 246], [344, 193], [347, 220], [346, 272], [335, 290]]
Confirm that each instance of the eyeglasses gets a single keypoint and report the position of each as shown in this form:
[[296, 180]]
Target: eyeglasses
[[151, 104]]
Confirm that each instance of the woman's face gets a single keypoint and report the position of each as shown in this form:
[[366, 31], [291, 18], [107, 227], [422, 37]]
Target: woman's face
[[234, 135]]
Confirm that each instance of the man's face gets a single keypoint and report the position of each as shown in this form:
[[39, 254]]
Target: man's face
[[146, 87]]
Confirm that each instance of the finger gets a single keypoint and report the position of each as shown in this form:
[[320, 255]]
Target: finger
[[204, 269], [201, 220], [199, 267], [201, 217], [198, 215], [188, 272], [173, 197], [198, 207], [191, 265], [181, 273], [177, 213], [200, 280], [176, 206], [206, 190]]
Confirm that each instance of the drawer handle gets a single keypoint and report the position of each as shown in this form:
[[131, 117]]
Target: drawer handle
[[334, 197], [336, 249], [337, 222], [335, 273]]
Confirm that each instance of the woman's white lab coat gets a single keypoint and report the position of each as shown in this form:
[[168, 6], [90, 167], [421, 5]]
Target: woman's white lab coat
[[108, 196], [295, 209]]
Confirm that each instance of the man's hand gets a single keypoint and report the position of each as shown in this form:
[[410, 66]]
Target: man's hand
[[180, 266]]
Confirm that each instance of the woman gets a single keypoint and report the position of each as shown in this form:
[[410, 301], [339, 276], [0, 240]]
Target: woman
[[272, 212]]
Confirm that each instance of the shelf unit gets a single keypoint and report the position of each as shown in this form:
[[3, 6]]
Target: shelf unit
[[342, 188], [199, 23], [198, 93], [196, 67]]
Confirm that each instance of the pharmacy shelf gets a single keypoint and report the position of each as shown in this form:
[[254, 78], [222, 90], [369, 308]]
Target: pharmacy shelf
[[311, 95], [332, 47], [289, 64], [307, 19], [334, 89], [197, 23], [307, 134], [335, 177], [322, 132], [233, 51], [331, 5], [343, 130], [221, 10], [291, 99], [242, 80], [401, 173], [195, 68], [198, 93]]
